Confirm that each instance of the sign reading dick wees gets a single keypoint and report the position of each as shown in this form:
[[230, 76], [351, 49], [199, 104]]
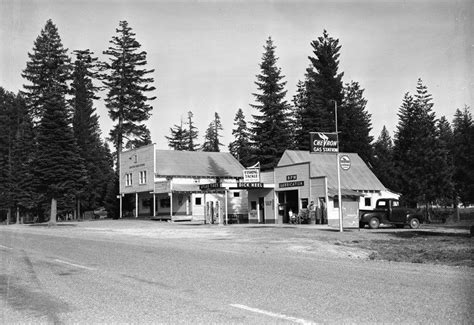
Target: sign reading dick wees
[[323, 142]]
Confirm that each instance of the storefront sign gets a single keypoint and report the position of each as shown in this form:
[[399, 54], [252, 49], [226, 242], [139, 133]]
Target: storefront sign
[[323, 142], [291, 184], [251, 175], [291, 177], [249, 185], [210, 186], [345, 162]]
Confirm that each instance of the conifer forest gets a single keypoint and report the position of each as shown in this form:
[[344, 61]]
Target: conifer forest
[[55, 159]]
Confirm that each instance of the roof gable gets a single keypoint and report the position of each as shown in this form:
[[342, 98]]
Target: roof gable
[[197, 164], [358, 177]]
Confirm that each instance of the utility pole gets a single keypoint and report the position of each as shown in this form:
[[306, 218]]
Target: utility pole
[[339, 196]]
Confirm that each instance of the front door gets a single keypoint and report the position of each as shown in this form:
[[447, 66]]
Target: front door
[[261, 207]]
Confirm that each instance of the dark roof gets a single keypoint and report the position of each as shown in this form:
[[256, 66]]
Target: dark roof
[[358, 177], [197, 164]]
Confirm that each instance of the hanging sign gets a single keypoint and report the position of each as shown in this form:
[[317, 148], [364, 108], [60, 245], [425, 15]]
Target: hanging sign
[[323, 142]]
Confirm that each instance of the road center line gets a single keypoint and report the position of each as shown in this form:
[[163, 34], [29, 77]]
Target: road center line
[[1, 246], [75, 265], [269, 313]]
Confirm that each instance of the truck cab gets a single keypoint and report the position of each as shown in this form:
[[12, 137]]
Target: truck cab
[[389, 211]]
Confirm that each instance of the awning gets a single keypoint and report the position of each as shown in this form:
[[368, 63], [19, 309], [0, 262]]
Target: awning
[[189, 188], [164, 187], [344, 192]]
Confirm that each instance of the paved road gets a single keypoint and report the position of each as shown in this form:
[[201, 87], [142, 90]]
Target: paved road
[[79, 275]]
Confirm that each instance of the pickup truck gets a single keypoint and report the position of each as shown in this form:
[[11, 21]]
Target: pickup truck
[[389, 211]]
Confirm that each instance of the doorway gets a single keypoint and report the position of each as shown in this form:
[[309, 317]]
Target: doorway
[[261, 208], [288, 200]]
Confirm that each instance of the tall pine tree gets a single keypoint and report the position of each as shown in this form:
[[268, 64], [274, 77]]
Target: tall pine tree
[[178, 139], [212, 137], [420, 160], [127, 83], [58, 171], [192, 133], [240, 148], [355, 124], [86, 129], [323, 88], [382, 161], [463, 155], [269, 131]]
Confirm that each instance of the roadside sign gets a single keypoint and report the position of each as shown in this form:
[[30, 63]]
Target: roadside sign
[[323, 142], [345, 162]]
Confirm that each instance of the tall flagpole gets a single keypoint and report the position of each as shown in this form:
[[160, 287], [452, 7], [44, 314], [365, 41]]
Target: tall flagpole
[[341, 229]]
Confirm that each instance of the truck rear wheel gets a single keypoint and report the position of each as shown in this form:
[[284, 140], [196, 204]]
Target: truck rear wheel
[[374, 223], [414, 223]]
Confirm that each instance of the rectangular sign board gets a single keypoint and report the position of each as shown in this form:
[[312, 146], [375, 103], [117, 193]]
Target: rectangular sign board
[[252, 175], [323, 142]]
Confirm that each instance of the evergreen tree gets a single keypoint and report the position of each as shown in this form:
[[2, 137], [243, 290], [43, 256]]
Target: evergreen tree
[[445, 190], [269, 132], [87, 131], [48, 66], [355, 124], [382, 161], [126, 83], [17, 132], [192, 134], [295, 119], [240, 148], [463, 155], [212, 137], [420, 160], [323, 88], [7, 103], [58, 171], [178, 140]]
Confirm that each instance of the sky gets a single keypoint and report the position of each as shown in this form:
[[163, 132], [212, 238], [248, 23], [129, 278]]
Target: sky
[[206, 54]]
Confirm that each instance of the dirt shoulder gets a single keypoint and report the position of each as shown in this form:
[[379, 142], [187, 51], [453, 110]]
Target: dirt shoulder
[[432, 244]]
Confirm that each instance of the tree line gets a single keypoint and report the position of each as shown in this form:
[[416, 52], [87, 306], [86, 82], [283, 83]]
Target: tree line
[[428, 161], [52, 158]]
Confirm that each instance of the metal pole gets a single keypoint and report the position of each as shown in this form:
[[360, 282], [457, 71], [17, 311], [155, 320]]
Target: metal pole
[[341, 229], [225, 208]]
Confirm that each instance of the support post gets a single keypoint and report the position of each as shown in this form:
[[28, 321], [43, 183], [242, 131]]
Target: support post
[[341, 229], [205, 209], [136, 204], [154, 205], [225, 207], [120, 209]]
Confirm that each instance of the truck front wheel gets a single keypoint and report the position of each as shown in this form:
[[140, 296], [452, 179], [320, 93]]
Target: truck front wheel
[[374, 223], [414, 223]]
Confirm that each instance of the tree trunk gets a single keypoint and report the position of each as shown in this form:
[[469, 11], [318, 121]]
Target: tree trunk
[[53, 217], [9, 214], [17, 215]]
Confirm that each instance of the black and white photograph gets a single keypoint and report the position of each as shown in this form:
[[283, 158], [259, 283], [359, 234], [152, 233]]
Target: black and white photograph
[[236, 162]]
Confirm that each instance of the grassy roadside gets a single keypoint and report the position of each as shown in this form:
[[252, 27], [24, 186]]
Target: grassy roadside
[[430, 247]]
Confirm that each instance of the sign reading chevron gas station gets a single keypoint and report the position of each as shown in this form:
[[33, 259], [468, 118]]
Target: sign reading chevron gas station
[[323, 142]]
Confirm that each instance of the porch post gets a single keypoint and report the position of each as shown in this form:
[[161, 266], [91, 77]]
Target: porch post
[[136, 204], [120, 212], [154, 204], [225, 207]]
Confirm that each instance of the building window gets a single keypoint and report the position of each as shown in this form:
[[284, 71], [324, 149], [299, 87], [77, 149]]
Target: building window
[[336, 202], [197, 201], [142, 179], [236, 194], [368, 201], [253, 205], [128, 179]]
